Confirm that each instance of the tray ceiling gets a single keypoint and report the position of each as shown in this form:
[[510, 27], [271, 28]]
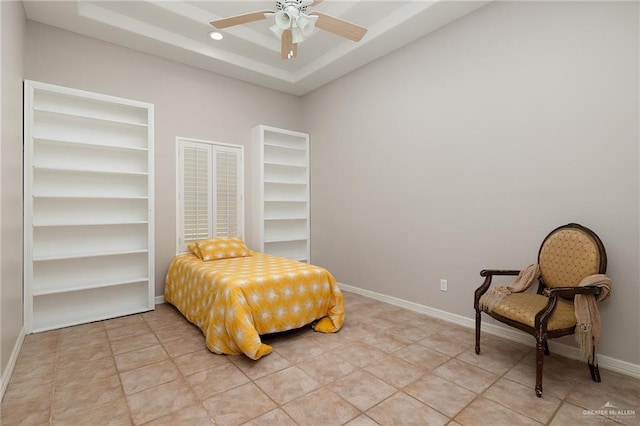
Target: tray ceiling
[[178, 30]]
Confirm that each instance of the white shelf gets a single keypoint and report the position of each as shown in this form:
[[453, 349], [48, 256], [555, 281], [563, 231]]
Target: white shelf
[[298, 167], [90, 197], [84, 224], [105, 109], [90, 287], [56, 310], [47, 182], [84, 116], [279, 173], [110, 238], [275, 154], [284, 181], [49, 211], [285, 210], [295, 249], [286, 192], [280, 141], [71, 274], [88, 144], [282, 138], [301, 238], [86, 255], [94, 132], [267, 218], [89, 171], [285, 230], [77, 157], [88, 207], [281, 185]]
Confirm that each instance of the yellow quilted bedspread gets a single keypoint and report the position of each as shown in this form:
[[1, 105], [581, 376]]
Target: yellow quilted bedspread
[[233, 301]]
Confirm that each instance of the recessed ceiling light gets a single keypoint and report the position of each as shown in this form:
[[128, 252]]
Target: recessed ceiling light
[[216, 35]]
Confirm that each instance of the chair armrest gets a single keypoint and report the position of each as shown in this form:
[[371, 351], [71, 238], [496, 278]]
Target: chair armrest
[[571, 291], [543, 316], [488, 274]]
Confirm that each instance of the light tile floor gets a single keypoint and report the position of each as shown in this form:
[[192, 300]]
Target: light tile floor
[[387, 366]]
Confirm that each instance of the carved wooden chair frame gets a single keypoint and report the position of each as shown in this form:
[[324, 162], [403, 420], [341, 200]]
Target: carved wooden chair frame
[[539, 330]]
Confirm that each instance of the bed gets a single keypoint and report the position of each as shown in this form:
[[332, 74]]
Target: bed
[[236, 296]]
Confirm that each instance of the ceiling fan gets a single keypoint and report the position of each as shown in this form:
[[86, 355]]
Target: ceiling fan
[[293, 25]]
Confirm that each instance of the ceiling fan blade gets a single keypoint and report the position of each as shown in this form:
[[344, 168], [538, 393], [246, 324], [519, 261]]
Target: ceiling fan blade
[[315, 2], [239, 19], [289, 49], [339, 27]]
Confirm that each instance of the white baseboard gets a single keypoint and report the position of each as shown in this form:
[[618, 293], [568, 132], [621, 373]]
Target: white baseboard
[[512, 334], [159, 300], [8, 372]]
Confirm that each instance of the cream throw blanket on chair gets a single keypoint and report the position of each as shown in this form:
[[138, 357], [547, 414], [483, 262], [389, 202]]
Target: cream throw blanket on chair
[[495, 294], [588, 325]]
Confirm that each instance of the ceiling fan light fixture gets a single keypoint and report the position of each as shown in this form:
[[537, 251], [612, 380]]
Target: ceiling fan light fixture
[[300, 24], [277, 30], [296, 35], [306, 24], [286, 18]]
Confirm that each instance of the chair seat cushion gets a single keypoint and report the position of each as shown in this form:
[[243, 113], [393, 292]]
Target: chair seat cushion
[[523, 307]]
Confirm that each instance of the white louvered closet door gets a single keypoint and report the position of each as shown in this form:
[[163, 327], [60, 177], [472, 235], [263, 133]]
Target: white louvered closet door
[[210, 191], [228, 193], [196, 192]]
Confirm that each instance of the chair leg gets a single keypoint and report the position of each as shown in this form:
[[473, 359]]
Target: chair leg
[[595, 372], [478, 320], [593, 368], [540, 343]]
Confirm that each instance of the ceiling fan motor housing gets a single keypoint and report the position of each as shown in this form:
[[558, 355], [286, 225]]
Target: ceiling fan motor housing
[[301, 5]]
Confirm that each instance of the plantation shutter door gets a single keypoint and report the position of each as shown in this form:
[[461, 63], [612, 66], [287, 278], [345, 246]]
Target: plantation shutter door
[[196, 191], [228, 196]]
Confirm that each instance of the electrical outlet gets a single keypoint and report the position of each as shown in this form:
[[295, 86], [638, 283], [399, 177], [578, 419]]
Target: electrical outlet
[[443, 285]]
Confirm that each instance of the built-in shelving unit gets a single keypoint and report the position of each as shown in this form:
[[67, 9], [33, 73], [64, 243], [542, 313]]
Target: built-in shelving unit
[[88, 179], [281, 187]]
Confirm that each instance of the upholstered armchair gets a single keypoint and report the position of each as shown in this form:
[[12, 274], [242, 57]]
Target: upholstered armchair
[[568, 259]]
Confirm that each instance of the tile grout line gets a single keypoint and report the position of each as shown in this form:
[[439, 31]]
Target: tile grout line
[[55, 376], [118, 372], [182, 376]]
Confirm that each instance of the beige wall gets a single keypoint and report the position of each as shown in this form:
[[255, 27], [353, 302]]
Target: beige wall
[[463, 150], [12, 72], [189, 102], [456, 153]]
